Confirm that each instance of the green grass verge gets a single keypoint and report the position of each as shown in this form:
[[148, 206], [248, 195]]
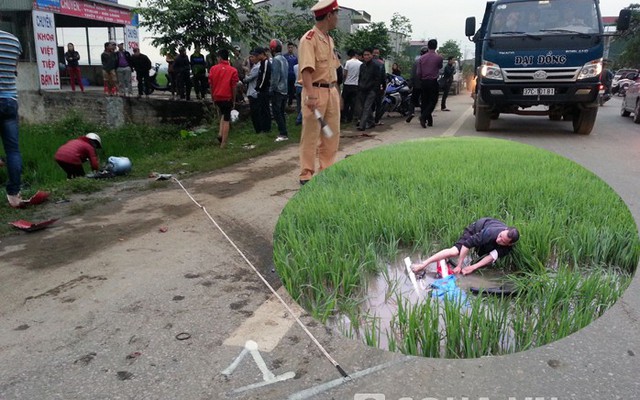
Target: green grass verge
[[347, 222], [167, 149]]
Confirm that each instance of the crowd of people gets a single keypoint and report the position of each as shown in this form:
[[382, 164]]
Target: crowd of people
[[326, 92]]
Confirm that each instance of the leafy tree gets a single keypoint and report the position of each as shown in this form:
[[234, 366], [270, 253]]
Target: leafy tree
[[208, 23], [373, 35], [630, 56], [290, 26], [401, 26], [450, 48]]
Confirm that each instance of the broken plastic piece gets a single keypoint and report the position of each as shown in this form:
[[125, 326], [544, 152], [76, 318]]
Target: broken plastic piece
[[28, 226], [160, 177]]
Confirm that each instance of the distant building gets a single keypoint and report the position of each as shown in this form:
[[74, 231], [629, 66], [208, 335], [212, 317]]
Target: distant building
[[413, 49], [348, 18]]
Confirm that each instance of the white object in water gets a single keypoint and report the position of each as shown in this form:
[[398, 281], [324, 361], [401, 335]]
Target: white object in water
[[412, 276], [444, 269]]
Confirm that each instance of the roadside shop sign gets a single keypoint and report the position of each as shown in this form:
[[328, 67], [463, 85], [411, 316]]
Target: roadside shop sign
[[44, 29]]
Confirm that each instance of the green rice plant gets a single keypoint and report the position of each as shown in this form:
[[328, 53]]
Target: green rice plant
[[415, 328], [356, 216]]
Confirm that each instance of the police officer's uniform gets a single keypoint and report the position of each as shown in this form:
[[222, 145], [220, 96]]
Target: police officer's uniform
[[316, 52]]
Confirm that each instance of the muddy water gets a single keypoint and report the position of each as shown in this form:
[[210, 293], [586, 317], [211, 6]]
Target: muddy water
[[382, 291]]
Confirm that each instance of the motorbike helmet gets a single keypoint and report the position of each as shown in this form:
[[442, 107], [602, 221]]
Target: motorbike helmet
[[275, 45], [118, 165], [94, 137]]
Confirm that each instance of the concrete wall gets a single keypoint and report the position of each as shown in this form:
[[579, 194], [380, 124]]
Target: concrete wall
[[44, 107]]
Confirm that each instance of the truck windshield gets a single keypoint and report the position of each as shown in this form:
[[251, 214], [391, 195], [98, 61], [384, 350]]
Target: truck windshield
[[545, 17]]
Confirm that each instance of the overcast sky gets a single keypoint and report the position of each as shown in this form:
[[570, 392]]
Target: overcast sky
[[441, 19], [444, 19]]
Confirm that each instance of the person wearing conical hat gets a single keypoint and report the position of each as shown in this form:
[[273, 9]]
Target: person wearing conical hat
[[317, 65]]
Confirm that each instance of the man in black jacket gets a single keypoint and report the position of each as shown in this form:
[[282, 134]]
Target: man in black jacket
[[141, 64], [182, 70], [491, 238], [447, 80], [262, 87], [368, 85]]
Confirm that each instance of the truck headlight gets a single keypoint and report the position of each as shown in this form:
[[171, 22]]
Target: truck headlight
[[490, 70], [591, 69]]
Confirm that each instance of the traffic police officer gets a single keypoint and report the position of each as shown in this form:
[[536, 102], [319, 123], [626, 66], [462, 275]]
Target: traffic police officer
[[317, 65]]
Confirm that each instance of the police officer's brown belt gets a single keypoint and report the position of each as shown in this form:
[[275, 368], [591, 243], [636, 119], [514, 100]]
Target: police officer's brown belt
[[324, 85]]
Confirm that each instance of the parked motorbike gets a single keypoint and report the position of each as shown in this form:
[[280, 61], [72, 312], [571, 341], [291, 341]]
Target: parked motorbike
[[397, 96], [153, 81], [604, 94]]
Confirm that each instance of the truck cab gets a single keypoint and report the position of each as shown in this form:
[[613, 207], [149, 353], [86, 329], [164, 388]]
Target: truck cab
[[546, 54]]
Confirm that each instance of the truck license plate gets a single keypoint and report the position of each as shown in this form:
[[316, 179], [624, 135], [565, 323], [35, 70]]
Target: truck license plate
[[539, 91]]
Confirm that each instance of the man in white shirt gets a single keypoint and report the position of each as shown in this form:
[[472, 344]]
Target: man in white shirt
[[350, 87]]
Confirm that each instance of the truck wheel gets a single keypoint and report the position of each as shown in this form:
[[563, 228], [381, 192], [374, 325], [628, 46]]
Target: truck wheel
[[483, 116], [583, 120], [636, 113]]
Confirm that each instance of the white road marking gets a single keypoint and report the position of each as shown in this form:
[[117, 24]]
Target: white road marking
[[453, 129], [308, 393], [268, 325], [267, 376]]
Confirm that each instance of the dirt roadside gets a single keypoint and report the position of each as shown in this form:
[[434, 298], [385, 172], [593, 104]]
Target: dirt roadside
[[81, 296]]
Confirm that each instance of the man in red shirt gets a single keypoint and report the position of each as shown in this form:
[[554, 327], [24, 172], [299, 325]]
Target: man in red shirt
[[223, 79], [72, 154]]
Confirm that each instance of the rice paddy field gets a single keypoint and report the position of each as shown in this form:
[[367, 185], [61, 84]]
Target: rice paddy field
[[350, 225]]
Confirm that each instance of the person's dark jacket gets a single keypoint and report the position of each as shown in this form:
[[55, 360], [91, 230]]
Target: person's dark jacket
[[415, 80], [264, 77], [382, 71], [369, 78], [182, 64], [447, 75], [109, 61], [140, 62], [71, 58]]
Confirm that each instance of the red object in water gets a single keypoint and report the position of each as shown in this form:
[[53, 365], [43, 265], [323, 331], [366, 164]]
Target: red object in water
[[28, 226], [439, 270]]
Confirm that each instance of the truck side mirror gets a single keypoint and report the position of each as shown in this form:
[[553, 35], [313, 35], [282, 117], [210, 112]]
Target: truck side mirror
[[470, 26], [624, 20]]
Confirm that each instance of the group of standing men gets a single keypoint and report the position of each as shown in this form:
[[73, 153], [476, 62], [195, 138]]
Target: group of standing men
[[270, 83], [117, 66]]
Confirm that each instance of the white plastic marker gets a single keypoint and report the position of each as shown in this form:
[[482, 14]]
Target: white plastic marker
[[412, 276], [326, 130], [444, 268]]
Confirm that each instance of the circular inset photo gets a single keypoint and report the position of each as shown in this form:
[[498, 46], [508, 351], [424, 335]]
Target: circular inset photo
[[456, 247]]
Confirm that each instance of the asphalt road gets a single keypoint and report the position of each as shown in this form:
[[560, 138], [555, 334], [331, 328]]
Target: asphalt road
[[106, 306]]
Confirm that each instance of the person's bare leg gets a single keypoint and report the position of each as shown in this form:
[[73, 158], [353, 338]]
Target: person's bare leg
[[441, 255], [224, 132]]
